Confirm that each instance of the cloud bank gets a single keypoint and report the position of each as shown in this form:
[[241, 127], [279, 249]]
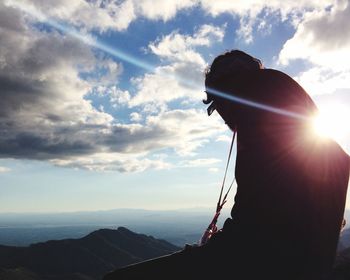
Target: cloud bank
[[45, 113]]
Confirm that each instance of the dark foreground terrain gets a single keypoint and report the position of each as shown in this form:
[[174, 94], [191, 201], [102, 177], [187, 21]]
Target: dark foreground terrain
[[91, 257]]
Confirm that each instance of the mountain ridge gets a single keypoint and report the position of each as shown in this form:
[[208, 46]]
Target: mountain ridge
[[85, 258]]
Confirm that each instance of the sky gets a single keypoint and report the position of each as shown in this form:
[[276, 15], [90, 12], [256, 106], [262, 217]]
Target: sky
[[101, 101]]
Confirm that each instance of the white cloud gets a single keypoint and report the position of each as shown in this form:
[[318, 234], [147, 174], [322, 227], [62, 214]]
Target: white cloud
[[254, 7], [162, 86], [160, 9], [103, 15], [118, 97], [179, 47], [323, 37], [223, 138], [183, 71], [200, 162], [112, 162], [184, 130], [252, 12], [4, 169], [118, 15], [86, 14], [324, 80], [135, 117], [125, 163]]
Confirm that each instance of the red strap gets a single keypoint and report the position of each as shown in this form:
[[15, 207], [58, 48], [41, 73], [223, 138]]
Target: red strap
[[211, 229]]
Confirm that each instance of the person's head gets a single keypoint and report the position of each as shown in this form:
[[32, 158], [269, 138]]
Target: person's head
[[223, 67]]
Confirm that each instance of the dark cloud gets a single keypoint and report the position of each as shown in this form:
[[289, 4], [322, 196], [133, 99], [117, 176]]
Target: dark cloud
[[331, 31], [42, 109], [31, 146]]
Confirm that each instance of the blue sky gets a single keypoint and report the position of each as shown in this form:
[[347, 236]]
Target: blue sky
[[101, 100]]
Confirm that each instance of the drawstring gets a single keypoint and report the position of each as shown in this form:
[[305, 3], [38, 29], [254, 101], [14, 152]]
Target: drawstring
[[212, 228]]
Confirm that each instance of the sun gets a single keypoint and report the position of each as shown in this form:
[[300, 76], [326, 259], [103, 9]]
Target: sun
[[332, 122]]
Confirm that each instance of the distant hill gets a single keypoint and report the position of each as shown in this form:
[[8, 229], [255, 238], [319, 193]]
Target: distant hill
[[176, 226], [87, 258]]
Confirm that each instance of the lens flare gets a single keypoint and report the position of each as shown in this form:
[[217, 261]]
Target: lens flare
[[332, 122]]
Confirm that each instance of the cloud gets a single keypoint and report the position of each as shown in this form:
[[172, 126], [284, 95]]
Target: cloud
[[165, 10], [90, 15], [254, 13], [45, 78], [104, 15], [184, 130], [324, 80], [254, 7], [200, 162], [43, 111], [118, 15], [135, 117], [324, 38], [182, 71], [106, 72], [126, 147], [179, 47], [117, 97], [161, 87], [223, 138], [4, 169], [112, 162]]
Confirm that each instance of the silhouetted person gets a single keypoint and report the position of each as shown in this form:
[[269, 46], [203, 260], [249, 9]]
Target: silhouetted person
[[291, 185]]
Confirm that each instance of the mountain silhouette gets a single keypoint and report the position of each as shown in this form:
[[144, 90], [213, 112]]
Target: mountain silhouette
[[87, 258], [91, 257]]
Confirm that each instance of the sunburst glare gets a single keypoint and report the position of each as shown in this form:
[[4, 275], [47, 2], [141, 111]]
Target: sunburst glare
[[332, 122]]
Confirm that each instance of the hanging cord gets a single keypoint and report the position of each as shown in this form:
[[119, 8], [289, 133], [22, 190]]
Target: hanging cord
[[212, 228]]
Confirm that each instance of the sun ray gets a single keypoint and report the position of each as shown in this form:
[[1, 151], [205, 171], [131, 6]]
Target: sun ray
[[332, 122]]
